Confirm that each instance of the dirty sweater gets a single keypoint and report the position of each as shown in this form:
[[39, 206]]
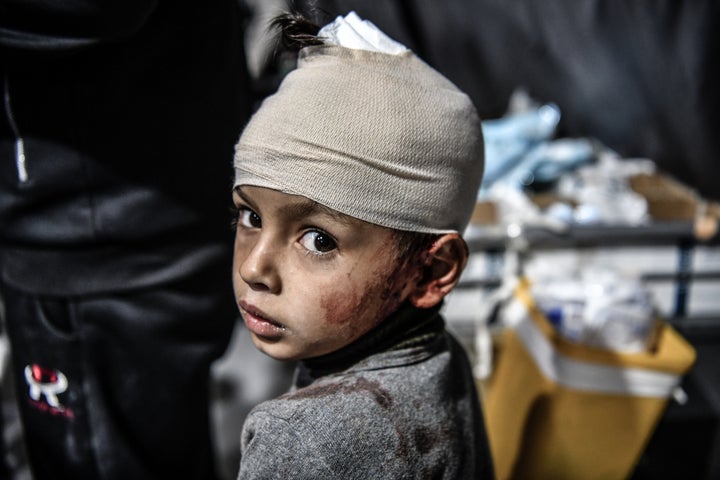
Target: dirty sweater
[[398, 403]]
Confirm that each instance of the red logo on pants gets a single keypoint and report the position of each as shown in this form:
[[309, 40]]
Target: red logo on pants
[[45, 386]]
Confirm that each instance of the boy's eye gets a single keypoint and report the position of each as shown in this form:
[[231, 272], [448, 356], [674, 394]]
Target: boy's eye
[[318, 242], [249, 219]]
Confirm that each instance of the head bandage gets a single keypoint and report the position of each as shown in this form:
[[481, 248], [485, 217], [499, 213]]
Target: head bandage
[[383, 138]]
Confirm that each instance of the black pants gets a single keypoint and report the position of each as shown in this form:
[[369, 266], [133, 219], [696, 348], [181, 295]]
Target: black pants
[[116, 386]]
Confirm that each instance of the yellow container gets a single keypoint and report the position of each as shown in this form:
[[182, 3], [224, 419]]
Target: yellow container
[[559, 410]]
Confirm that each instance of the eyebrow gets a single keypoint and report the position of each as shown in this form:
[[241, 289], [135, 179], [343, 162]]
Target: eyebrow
[[304, 207]]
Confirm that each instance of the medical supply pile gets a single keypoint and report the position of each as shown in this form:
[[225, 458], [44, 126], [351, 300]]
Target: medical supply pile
[[599, 308]]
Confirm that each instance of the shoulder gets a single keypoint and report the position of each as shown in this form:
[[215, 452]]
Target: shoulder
[[274, 448], [324, 410], [327, 430]]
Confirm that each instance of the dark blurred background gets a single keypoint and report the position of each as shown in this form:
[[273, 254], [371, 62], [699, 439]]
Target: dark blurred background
[[640, 76]]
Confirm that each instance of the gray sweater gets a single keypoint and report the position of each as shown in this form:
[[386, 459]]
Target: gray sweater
[[398, 403]]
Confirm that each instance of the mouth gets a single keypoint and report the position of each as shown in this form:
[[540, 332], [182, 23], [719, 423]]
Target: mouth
[[259, 323]]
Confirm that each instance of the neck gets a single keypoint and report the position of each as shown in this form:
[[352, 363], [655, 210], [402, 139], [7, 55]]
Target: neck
[[406, 327]]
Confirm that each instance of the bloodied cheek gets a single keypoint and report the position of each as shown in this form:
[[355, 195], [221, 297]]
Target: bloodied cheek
[[341, 307], [371, 292], [360, 295]]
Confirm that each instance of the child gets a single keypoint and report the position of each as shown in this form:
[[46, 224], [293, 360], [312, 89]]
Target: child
[[353, 183]]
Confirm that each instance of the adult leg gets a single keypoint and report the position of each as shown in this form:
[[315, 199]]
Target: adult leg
[[116, 386]]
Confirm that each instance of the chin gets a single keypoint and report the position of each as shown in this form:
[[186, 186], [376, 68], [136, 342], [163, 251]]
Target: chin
[[274, 349]]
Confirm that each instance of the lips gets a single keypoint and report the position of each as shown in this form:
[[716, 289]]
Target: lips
[[259, 323]]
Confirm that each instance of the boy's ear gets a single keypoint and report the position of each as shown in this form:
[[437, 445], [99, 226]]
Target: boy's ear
[[445, 262]]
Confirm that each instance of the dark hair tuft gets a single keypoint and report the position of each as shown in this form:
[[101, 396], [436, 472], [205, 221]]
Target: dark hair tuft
[[296, 31]]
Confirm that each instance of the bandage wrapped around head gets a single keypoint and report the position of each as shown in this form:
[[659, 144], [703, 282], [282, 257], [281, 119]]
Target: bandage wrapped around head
[[380, 137]]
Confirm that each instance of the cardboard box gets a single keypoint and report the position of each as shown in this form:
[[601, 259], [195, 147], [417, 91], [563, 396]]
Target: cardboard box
[[667, 198], [485, 213]]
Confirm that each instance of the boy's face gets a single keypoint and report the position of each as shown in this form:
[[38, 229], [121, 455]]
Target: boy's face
[[308, 280]]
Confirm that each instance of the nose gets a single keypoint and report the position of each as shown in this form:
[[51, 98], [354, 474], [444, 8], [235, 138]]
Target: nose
[[258, 266]]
